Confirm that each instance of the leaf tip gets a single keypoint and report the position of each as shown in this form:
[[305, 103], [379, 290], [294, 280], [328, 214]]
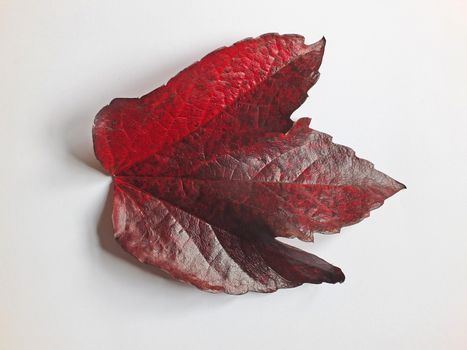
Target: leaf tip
[[338, 276], [303, 122], [398, 186], [323, 41], [319, 45]]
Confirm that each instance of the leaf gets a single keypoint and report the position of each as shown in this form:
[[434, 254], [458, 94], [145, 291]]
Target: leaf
[[209, 169]]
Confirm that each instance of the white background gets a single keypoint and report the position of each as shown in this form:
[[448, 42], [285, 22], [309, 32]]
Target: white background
[[393, 87]]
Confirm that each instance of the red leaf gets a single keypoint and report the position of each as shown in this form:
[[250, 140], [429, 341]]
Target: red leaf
[[209, 169]]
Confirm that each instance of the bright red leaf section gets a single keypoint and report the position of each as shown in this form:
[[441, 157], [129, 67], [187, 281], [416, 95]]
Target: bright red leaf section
[[209, 169]]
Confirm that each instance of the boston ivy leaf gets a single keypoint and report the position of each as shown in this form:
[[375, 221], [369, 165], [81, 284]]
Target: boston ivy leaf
[[209, 169]]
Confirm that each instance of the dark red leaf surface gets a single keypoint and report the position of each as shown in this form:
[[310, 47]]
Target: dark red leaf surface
[[209, 169]]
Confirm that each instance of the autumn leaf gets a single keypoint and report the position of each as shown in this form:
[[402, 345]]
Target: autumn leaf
[[209, 169]]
